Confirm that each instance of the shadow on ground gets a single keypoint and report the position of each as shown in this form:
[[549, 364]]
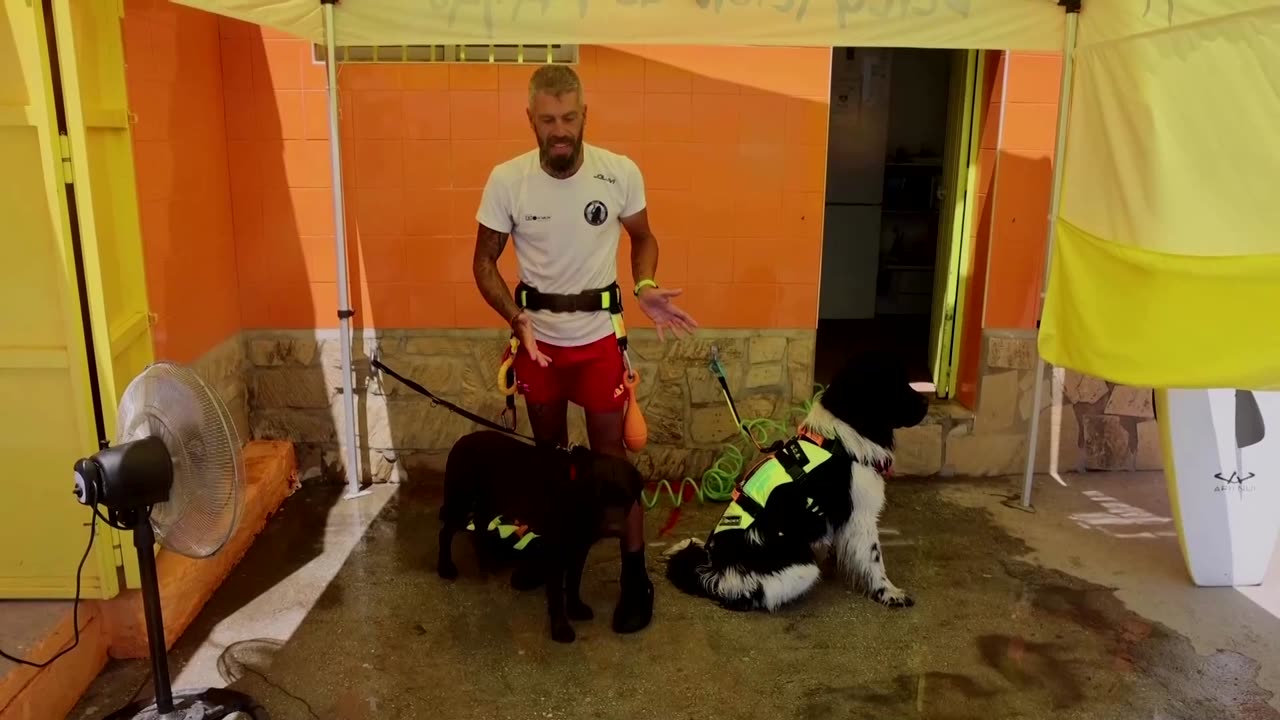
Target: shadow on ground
[[991, 636]]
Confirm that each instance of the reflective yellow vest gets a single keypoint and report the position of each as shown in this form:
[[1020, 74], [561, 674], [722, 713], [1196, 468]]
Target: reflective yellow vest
[[507, 531], [752, 494]]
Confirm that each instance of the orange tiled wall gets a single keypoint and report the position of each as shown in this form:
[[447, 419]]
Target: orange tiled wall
[[732, 142], [174, 81], [1024, 176]]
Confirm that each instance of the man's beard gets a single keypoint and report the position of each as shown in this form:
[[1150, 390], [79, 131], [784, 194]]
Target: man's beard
[[559, 163]]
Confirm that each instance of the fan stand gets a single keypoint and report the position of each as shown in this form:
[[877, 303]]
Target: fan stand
[[202, 704], [197, 444]]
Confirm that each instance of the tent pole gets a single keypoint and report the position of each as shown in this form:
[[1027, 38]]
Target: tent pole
[[1059, 154], [340, 247]]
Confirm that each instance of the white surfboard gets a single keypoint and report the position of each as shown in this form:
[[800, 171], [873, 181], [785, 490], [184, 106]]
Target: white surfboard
[[1222, 466]]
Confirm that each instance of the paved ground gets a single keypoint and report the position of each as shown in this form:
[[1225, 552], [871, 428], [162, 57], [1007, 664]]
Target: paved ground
[[1081, 610]]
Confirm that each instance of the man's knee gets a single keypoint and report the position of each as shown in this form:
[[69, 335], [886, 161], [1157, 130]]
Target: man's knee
[[604, 432], [549, 422]]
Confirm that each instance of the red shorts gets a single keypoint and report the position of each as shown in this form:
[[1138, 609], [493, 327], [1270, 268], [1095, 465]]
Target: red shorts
[[587, 375]]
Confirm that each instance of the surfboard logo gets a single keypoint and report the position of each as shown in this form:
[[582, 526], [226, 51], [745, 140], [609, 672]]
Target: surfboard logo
[[1235, 480], [1250, 430]]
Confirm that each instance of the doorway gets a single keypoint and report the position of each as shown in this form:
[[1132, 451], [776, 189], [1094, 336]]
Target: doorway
[[898, 159]]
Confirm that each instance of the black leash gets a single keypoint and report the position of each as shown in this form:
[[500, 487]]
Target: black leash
[[437, 400]]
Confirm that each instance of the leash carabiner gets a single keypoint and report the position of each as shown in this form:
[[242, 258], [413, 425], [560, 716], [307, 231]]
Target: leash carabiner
[[508, 418], [506, 374]]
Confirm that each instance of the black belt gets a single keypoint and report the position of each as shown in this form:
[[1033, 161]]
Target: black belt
[[607, 298]]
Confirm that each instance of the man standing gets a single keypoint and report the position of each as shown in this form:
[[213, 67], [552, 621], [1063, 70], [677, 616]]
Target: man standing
[[566, 204]]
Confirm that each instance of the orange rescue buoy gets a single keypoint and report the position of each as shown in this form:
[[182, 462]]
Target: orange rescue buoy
[[635, 431]]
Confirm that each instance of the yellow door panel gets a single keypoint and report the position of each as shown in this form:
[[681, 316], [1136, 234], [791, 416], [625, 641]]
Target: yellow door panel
[[957, 186], [45, 383], [91, 55], [964, 263], [91, 58]]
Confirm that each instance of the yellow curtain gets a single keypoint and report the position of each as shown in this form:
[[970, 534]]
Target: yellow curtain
[[1166, 268]]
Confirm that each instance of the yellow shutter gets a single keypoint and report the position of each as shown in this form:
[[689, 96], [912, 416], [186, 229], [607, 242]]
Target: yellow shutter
[[69, 201]]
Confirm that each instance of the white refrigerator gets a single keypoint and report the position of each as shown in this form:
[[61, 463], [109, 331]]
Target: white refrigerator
[[857, 147]]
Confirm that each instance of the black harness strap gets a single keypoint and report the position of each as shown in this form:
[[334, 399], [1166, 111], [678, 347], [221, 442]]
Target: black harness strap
[[749, 505], [437, 400], [792, 458], [607, 298]]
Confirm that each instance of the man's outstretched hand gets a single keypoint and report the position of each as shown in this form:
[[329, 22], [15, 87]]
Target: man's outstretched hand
[[666, 317], [522, 326]]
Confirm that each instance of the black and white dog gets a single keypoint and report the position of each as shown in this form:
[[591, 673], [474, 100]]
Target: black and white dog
[[835, 506]]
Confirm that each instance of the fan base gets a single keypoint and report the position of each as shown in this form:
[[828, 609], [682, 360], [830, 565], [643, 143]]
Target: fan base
[[206, 704]]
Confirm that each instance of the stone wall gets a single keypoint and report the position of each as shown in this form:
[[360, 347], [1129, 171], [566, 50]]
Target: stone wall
[[223, 368], [286, 385], [1085, 423], [294, 381]]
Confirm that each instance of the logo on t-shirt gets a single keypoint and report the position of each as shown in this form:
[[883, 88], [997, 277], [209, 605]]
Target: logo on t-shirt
[[596, 213]]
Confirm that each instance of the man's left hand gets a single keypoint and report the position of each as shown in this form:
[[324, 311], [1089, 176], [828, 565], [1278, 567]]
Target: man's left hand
[[656, 303]]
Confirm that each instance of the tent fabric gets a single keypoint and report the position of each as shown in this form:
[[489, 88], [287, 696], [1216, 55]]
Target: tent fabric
[[1149, 319], [957, 24], [1166, 267], [1107, 20], [1167, 239], [1169, 129]]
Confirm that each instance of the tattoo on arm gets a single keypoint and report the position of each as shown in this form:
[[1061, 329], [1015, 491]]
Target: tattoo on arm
[[644, 257], [644, 246], [484, 266]]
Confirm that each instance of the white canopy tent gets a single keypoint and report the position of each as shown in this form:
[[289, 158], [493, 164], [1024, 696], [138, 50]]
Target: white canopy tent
[[1164, 237]]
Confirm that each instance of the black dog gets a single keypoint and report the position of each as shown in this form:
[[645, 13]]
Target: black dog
[[766, 555], [571, 498]]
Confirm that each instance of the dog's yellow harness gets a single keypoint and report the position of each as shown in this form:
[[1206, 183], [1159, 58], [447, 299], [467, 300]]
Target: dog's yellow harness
[[791, 462], [514, 532]]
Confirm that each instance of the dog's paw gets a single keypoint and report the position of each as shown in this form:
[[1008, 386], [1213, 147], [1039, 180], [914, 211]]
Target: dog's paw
[[447, 571], [635, 606], [562, 632], [578, 611], [892, 597], [680, 546]]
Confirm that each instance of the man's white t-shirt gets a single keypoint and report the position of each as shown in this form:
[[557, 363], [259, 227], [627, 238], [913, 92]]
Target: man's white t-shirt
[[565, 232]]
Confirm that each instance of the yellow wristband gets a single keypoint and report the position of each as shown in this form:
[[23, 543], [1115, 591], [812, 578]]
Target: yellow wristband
[[644, 284]]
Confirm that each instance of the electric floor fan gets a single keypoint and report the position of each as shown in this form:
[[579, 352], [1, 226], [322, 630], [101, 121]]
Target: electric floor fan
[[175, 476]]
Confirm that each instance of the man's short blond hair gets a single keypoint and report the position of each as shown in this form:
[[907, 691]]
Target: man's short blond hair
[[555, 80]]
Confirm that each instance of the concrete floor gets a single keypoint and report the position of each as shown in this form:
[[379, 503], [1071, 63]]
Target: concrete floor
[[1082, 610]]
